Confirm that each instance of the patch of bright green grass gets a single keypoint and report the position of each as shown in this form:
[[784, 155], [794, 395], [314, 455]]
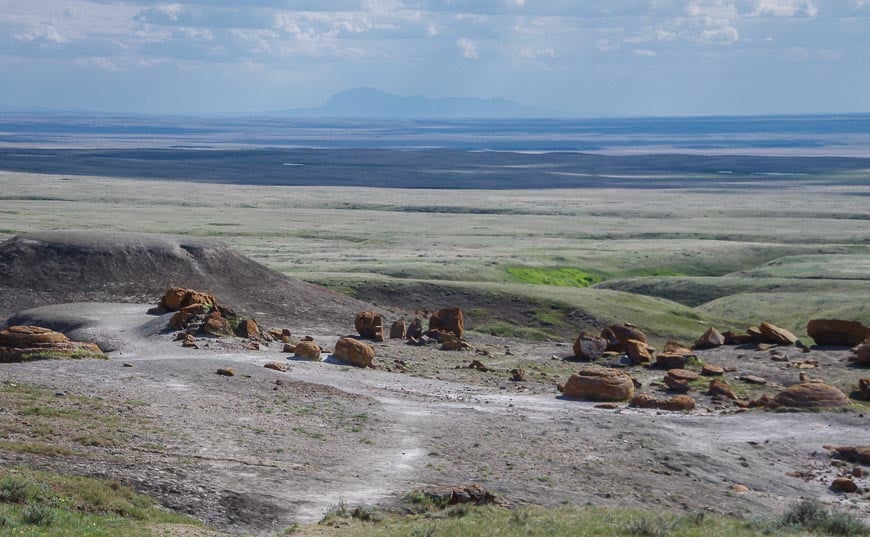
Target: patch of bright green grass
[[557, 276]]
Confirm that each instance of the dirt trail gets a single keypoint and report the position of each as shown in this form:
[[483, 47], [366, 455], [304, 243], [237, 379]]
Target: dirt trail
[[261, 450]]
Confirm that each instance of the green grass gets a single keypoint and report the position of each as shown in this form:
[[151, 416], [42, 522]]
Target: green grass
[[44, 504], [558, 276], [461, 521]]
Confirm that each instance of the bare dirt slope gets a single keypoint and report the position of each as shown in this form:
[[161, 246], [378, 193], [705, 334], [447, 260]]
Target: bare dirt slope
[[44, 268]]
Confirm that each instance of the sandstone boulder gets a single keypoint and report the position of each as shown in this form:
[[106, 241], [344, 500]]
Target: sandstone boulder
[[857, 454], [862, 355], [672, 347], [736, 338], [277, 366], [721, 388], [354, 352], [600, 384], [589, 347], [810, 395], [369, 325], [670, 361], [308, 350], [415, 330], [216, 325], [837, 332], [638, 351], [178, 298], [643, 400], [678, 379], [777, 335], [710, 338], [863, 392], [226, 372], [449, 320], [712, 370], [675, 403], [25, 343], [617, 335], [844, 484], [397, 330]]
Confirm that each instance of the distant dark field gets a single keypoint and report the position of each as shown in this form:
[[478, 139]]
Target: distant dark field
[[449, 169]]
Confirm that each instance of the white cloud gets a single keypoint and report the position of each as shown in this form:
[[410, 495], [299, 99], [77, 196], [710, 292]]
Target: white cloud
[[468, 48], [42, 34], [785, 8], [645, 52]]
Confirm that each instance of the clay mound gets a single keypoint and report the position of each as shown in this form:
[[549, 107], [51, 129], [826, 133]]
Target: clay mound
[[38, 269]]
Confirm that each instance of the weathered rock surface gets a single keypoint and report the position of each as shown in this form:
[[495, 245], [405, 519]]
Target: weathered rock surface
[[721, 388], [777, 335], [675, 403], [226, 372], [844, 484], [600, 384], [670, 361], [216, 325], [354, 352], [397, 330], [277, 366], [837, 332], [448, 320], [24, 343], [617, 336], [810, 395], [462, 494], [308, 350], [415, 330], [858, 454], [248, 328], [710, 338], [862, 355], [178, 298], [638, 351], [589, 347], [369, 325], [712, 370]]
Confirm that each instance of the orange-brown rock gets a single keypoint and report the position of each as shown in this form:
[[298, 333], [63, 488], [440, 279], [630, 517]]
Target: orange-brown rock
[[837, 332], [858, 454], [308, 350], [277, 366], [756, 335], [721, 388], [777, 335], [226, 372], [449, 341], [617, 336], [638, 351], [216, 325], [761, 402], [397, 330], [672, 347], [600, 384], [810, 395], [289, 347], [177, 298], [677, 403], [678, 379], [710, 338], [844, 484], [683, 374], [862, 355], [369, 325], [670, 361], [712, 370], [248, 328], [740, 489], [354, 352], [448, 320], [24, 343], [589, 347], [179, 320], [736, 338], [863, 392]]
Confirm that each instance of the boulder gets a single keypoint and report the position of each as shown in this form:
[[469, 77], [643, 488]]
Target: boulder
[[837, 332], [226, 372], [617, 335], [397, 330], [862, 355], [354, 352], [844, 484], [678, 379], [712, 370], [676, 403], [863, 392], [756, 335], [810, 395], [856, 454], [600, 385], [710, 338], [777, 335], [683, 374], [736, 338], [449, 341], [638, 351], [721, 388], [518, 375], [415, 330], [670, 361], [589, 347], [308, 350], [178, 298], [369, 325], [25, 343], [248, 328], [672, 347], [448, 320], [216, 325], [277, 366]]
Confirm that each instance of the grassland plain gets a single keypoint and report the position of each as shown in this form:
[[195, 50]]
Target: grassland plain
[[725, 255]]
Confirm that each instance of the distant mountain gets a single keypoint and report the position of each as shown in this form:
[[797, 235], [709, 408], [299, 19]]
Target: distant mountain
[[372, 103]]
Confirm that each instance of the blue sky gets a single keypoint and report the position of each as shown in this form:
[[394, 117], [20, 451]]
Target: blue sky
[[596, 57]]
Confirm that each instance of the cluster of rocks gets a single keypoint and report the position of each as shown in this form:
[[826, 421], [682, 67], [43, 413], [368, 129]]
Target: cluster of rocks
[[446, 327], [25, 343], [845, 481], [629, 343]]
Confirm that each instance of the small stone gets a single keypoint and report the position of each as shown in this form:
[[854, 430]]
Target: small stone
[[226, 372], [740, 489], [844, 484]]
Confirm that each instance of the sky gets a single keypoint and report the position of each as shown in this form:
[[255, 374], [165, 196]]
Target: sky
[[587, 58]]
